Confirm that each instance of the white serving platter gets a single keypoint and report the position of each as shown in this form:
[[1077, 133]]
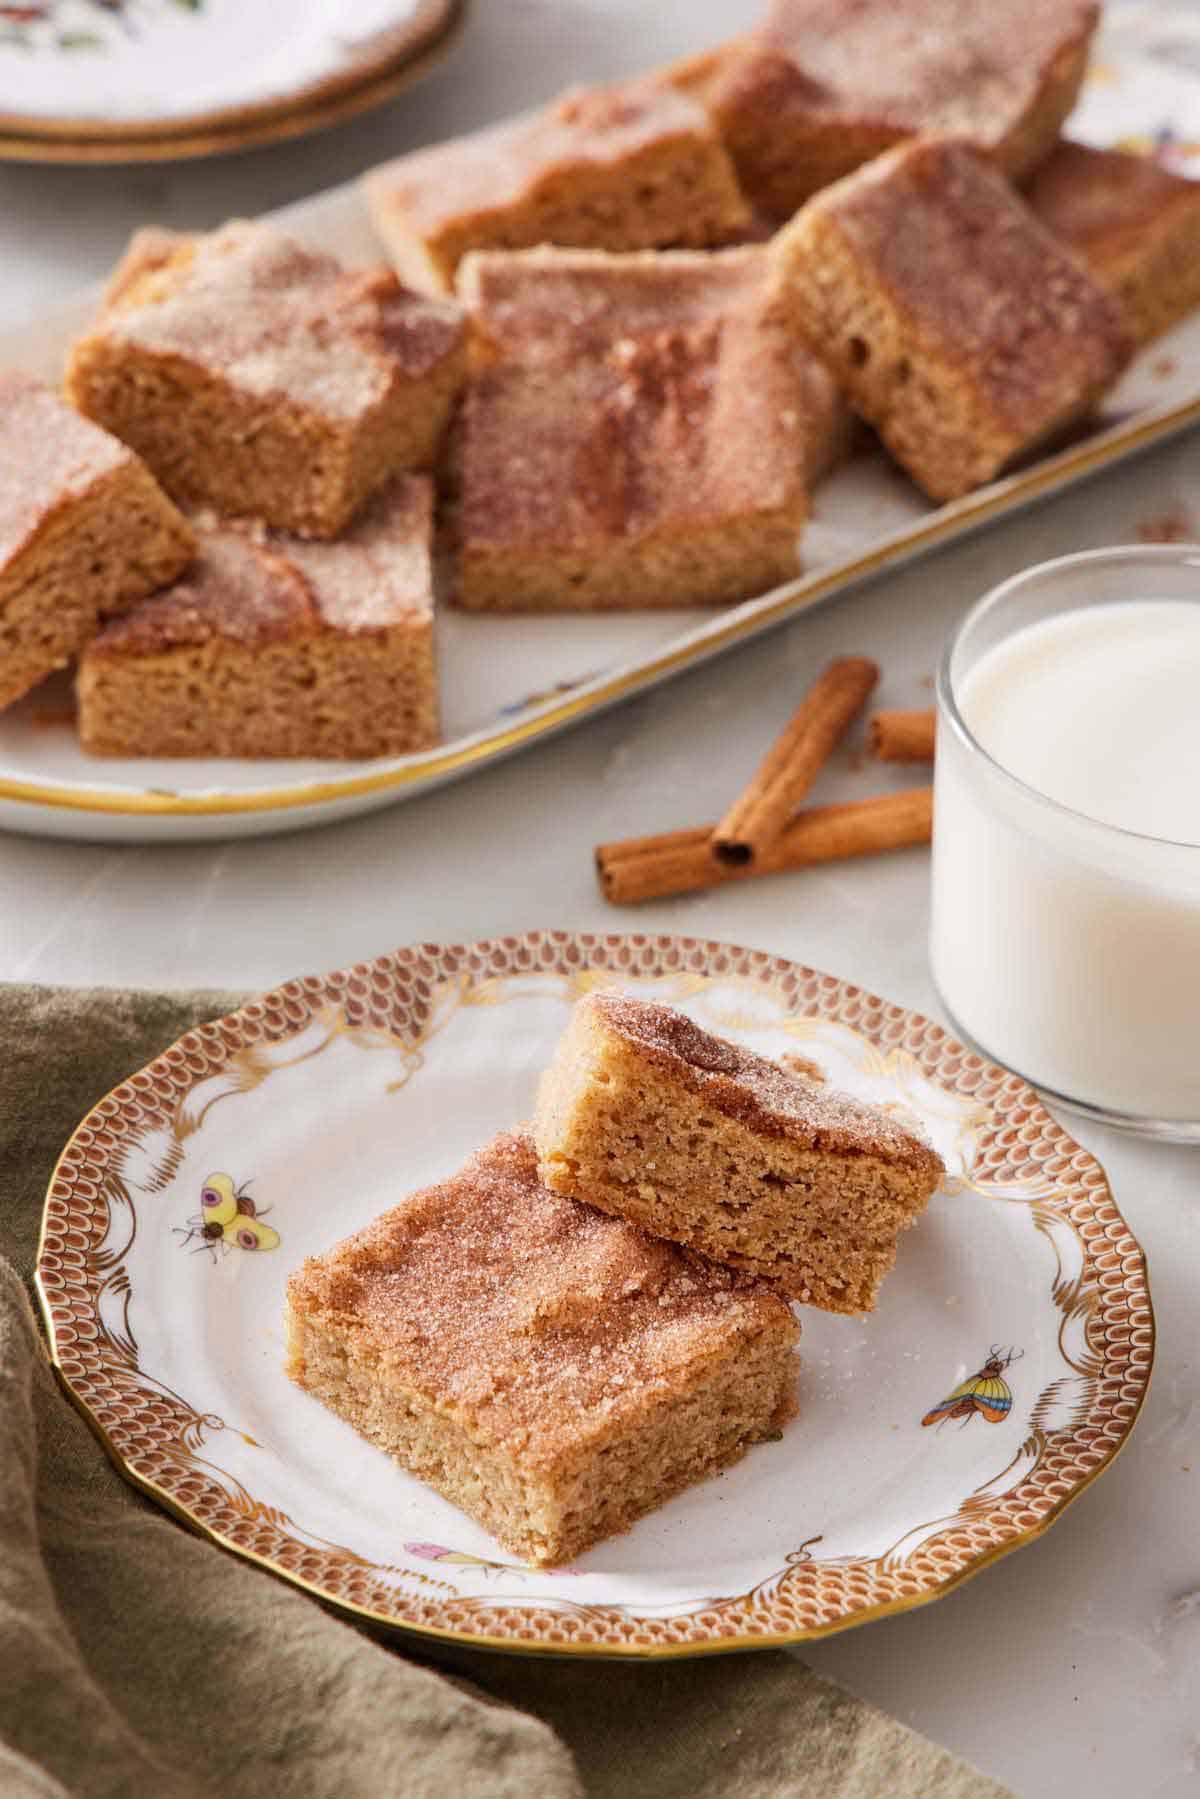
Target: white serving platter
[[511, 681]]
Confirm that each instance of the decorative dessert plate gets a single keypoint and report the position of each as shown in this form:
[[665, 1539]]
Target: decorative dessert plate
[[510, 681], [1001, 1373], [142, 80]]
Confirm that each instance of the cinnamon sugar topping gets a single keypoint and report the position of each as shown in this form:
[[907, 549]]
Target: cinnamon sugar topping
[[506, 164], [539, 305], [749, 1086], [48, 454], [379, 570], [928, 65], [236, 589], [632, 390], [254, 586], [539, 1317], [275, 317], [1103, 198], [952, 245]]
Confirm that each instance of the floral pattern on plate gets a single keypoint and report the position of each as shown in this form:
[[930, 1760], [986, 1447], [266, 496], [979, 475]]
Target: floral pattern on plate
[[146, 66], [74, 25]]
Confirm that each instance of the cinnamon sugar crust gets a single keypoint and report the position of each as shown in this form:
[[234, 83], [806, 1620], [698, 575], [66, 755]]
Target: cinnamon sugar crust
[[545, 306], [237, 591], [149, 270], [546, 1367], [963, 331], [84, 532], [278, 318], [48, 457], [704, 1142], [273, 646], [615, 496], [1134, 223], [640, 430], [620, 168], [263, 378], [604, 125], [758, 1090], [824, 85]]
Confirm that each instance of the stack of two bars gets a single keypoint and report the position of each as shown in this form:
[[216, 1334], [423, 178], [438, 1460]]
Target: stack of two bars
[[295, 401], [591, 1317], [288, 404]]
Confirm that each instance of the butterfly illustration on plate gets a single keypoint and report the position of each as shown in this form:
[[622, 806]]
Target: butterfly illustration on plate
[[228, 1219], [986, 1394]]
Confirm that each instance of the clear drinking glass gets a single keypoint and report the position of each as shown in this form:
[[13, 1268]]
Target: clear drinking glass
[[1061, 946]]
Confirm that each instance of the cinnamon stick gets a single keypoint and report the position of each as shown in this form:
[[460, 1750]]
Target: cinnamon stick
[[645, 868], [901, 736], [792, 764]]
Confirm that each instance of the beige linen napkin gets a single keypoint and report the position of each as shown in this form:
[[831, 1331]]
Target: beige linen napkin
[[136, 1659]]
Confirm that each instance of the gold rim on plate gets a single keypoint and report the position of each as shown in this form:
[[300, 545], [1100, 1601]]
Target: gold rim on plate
[[155, 1436]]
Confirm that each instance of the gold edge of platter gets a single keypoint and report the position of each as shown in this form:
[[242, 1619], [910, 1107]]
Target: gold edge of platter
[[329, 103], [591, 1650], [941, 527]]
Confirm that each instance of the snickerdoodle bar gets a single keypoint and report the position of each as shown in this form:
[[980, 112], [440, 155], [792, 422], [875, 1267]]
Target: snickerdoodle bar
[[262, 378], [1133, 222], [824, 85], [697, 1139], [640, 431], [84, 532], [618, 168], [961, 329], [275, 646], [553, 1371]]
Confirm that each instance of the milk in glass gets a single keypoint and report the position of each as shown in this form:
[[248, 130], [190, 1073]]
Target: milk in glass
[[1066, 873]]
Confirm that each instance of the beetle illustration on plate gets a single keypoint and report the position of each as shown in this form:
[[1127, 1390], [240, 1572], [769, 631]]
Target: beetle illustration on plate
[[228, 1219], [985, 1394]]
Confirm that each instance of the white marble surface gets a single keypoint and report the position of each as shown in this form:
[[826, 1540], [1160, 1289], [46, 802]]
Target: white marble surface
[[1074, 1665]]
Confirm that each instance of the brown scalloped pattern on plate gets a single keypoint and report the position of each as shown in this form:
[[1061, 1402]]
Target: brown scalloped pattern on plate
[[155, 1436]]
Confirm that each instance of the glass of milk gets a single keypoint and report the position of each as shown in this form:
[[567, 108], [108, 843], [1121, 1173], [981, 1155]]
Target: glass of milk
[[1065, 938]]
